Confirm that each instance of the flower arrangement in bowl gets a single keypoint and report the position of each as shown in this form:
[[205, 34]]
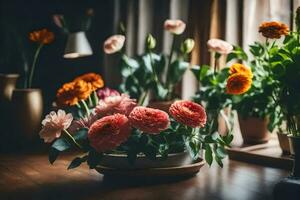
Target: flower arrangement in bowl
[[118, 134], [153, 75]]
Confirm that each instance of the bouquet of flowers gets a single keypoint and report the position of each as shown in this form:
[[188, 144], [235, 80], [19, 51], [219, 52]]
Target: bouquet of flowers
[[113, 123], [153, 74]]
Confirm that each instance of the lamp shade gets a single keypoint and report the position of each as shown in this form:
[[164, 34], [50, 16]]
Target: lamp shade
[[77, 46]]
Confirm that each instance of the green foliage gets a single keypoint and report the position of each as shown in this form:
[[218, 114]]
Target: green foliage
[[285, 63], [259, 101], [154, 73]]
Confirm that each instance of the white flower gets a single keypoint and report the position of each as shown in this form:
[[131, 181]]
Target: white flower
[[53, 124], [174, 26], [113, 44], [219, 46]]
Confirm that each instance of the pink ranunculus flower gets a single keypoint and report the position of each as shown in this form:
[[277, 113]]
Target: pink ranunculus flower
[[149, 120], [219, 46], [106, 92], [109, 132], [188, 113], [53, 124], [113, 44], [176, 27], [115, 104]]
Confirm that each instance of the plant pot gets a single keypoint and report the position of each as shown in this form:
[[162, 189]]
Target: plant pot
[[176, 165], [254, 130], [120, 161], [27, 111], [295, 151], [161, 105], [284, 143], [7, 85]]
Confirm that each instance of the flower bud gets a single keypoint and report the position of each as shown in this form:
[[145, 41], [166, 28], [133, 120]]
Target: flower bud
[[150, 42], [187, 46]]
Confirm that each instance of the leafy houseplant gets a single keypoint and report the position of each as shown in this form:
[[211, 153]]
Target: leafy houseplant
[[218, 87], [285, 63], [117, 126], [153, 74]]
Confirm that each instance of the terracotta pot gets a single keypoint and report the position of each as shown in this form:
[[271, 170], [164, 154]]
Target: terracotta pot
[[7, 85], [27, 111], [254, 130], [120, 161], [295, 151], [284, 143], [162, 105]]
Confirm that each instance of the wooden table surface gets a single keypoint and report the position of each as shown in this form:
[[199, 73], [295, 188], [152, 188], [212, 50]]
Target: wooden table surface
[[32, 177]]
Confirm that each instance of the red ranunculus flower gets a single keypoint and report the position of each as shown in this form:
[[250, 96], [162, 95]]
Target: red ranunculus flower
[[149, 120], [188, 113], [109, 132]]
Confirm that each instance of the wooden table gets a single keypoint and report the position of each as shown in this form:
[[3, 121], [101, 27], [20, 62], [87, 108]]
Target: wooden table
[[32, 177]]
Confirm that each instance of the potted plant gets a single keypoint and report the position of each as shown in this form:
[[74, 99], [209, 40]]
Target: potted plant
[[152, 78], [117, 134], [27, 102], [285, 65], [257, 109]]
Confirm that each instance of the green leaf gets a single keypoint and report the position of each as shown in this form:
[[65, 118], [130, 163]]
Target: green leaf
[[219, 161], [53, 154], [61, 144], [176, 71], [228, 139], [130, 62], [94, 159], [77, 162], [161, 91], [81, 134], [208, 155], [221, 152]]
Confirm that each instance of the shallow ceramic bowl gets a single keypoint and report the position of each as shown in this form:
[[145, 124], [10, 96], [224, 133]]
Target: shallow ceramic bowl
[[120, 161]]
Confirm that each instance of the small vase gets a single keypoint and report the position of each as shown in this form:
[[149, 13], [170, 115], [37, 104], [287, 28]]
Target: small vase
[[254, 130], [7, 85], [284, 143], [161, 105], [27, 111], [295, 150]]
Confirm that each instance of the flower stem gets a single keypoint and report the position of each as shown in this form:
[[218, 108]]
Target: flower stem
[[155, 77], [170, 57], [86, 108], [38, 50], [95, 98], [72, 139], [143, 97]]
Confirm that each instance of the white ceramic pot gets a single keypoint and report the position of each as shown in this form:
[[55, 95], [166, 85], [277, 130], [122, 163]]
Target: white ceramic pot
[[120, 161]]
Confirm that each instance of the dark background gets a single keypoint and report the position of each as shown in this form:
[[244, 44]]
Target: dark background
[[19, 17]]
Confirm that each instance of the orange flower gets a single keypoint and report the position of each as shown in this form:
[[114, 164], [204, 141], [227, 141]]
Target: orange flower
[[238, 83], [42, 36], [94, 79], [273, 30], [71, 93], [240, 68]]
